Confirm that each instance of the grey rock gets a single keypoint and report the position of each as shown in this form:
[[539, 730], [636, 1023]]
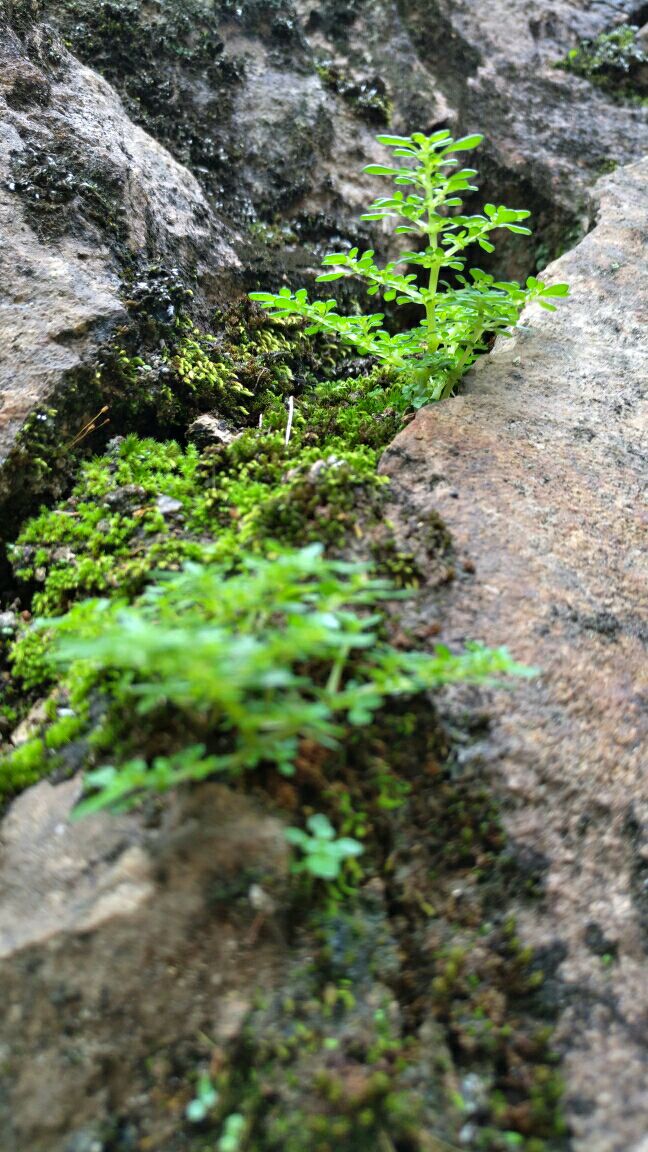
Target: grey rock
[[31, 725], [82, 190], [114, 944], [8, 623], [125, 497], [210, 429], [289, 116], [167, 505], [549, 520]]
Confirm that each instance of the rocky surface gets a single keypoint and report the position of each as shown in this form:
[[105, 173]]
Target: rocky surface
[[537, 469], [275, 106], [84, 196], [270, 112], [110, 928], [228, 140]]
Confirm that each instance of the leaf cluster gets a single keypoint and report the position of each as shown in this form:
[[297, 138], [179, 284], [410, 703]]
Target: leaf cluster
[[455, 321], [323, 853], [287, 649]]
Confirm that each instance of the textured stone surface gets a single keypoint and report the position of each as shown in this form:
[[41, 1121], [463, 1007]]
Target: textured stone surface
[[83, 192], [278, 122], [117, 941], [537, 468]]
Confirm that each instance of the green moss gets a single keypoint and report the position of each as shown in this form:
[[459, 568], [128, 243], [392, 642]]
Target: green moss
[[119, 524], [26, 765], [368, 98], [63, 731], [614, 61], [324, 1069]]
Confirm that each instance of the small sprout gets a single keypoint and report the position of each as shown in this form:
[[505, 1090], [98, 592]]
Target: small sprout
[[324, 855], [203, 1102], [233, 1132]]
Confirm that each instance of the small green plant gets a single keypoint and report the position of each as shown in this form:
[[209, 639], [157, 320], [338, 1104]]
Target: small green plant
[[232, 1135], [251, 662], [323, 853], [203, 1102], [456, 322]]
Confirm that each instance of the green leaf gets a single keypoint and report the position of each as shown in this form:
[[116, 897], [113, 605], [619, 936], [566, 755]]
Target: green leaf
[[348, 847], [465, 143], [556, 290], [321, 826], [322, 865], [393, 141]]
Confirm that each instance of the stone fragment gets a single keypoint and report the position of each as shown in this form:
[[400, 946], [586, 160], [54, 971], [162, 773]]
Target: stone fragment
[[210, 429]]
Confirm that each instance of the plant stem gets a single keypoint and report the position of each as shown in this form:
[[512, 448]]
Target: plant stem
[[454, 376], [432, 231]]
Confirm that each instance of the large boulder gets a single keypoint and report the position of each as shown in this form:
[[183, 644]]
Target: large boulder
[[120, 945], [537, 469]]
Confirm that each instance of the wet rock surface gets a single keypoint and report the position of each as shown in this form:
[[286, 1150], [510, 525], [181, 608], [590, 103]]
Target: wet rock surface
[[269, 111], [110, 928], [275, 106], [84, 195], [537, 470]]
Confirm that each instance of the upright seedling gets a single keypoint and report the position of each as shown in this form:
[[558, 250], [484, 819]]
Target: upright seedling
[[456, 321]]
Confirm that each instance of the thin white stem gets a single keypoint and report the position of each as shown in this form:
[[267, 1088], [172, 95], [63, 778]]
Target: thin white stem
[[291, 412]]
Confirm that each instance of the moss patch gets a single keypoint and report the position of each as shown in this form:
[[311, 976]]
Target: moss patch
[[615, 61]]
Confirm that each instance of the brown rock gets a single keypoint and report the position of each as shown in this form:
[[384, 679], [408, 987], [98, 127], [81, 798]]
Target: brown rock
[[117, 942], [546, 449]]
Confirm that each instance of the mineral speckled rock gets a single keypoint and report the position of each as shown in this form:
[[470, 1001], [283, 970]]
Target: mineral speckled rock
[[542, 461], [118, 942]]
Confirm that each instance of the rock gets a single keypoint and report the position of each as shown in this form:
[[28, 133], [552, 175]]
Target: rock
[[83, 193], [8, 623], [167, 505], [346, 71], [31, 725], [209, 430], [542, 460], [126, 497], [112, 931]]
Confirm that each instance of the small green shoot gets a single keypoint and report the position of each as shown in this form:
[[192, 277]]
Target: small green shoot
[[323, 853], [204, 1101], [233, 1132], [457, 322]]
